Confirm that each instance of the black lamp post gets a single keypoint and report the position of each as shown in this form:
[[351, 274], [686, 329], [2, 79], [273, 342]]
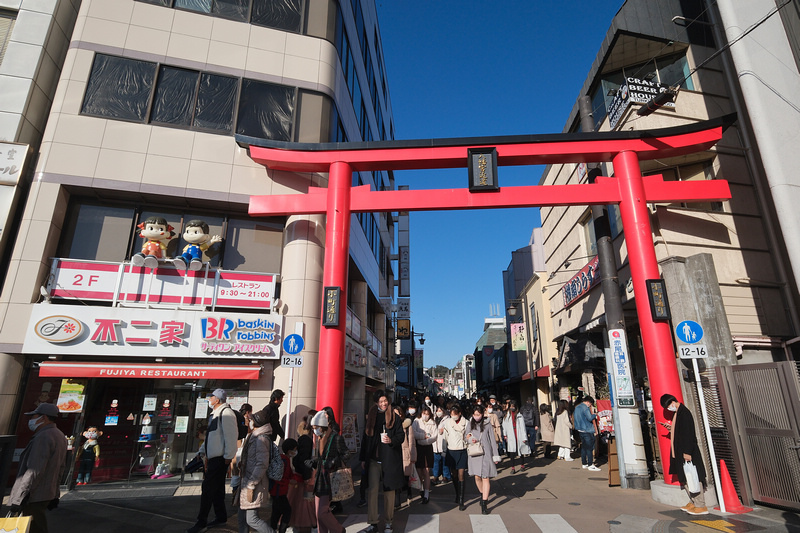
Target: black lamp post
[[412, 366]]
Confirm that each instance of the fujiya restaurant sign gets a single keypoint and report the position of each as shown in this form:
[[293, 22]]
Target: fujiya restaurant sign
[[146, 371], [581, 283], [636, 91], [117, 331]]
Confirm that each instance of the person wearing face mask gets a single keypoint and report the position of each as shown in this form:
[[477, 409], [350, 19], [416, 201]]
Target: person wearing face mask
[[439, 450], [217, 451], [90, 455], [454, 430], [330, 454], [493, 416], [425, 433], [562, 437], [515, 435], [381, 456], [683, 447], [483, 467], [41, 466], [253, 493], [409, 446], [585, 416]]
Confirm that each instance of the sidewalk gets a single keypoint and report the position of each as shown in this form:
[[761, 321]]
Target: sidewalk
[[582, 498]]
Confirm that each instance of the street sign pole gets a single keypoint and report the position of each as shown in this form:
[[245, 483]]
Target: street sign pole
[[707, 428], [298, 329]]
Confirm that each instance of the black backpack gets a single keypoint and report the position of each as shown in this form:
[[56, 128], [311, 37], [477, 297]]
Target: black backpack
[[241, 424]]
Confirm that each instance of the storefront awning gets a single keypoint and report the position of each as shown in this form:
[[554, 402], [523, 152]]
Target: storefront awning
[[135, 370], [543, 372]]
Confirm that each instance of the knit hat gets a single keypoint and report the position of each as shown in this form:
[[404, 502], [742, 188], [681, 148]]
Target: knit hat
[[220, 394], [259, 419], [320, 419]]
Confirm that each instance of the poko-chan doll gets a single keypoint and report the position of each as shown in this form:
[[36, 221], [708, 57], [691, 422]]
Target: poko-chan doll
[[90, 455], [199, 241], [157, 233]]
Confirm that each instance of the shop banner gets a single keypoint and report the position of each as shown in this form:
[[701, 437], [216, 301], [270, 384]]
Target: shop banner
[[518, 340], [122, 370], [150, 401], [121, 331], [109, 282], [71, 395]]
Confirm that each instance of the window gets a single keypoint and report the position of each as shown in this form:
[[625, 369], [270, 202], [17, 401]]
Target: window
[[279, 14], [107, 233], [265, 110], [7, 19], [589, 238], [693, 171], [119, 88]]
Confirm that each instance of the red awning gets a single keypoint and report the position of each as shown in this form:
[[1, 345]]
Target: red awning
[[146, 371], [526, 376], [543, 372]]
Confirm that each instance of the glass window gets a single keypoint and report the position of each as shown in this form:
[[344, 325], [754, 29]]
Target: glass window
[[216, 100], [614, 219], [97, 232], [165, 3], [589, 238], [201, 6], [279, 14], [673, 69], [174, 99], [232, 9], [173, 218], [119, 88], [265, 110], [7, 19], [253, 245], [691, 172]]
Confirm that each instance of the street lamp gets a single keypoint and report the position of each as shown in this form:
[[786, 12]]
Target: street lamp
[[512, 307], [412, 366]]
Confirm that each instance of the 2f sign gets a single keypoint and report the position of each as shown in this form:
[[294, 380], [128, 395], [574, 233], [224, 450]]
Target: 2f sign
[[83, 280]]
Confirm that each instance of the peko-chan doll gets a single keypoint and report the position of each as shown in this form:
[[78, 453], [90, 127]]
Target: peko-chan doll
[[90, 455], [157, 233]]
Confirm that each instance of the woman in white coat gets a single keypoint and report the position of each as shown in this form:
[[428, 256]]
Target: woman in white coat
[[425, 433], [563, 434], [516, 436]]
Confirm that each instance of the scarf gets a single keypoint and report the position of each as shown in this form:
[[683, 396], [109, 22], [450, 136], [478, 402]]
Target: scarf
[[372, 417]]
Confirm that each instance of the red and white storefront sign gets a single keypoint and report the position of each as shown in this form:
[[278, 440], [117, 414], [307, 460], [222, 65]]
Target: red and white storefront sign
[[103, 281], [133, 332], [145, 371]]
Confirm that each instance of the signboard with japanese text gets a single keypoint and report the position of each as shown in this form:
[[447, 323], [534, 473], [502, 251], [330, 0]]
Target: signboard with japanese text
[[622, 377], [105, 281], [330, 314], [136, 332], [634, 90], [404, 308], [518, 340], [582, 282]]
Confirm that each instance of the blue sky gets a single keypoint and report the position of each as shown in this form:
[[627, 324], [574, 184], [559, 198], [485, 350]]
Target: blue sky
[[462, 68]]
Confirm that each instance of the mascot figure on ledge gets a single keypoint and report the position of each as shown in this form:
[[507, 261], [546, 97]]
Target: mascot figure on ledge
[[199, 241], [157, 233], [90, 455]]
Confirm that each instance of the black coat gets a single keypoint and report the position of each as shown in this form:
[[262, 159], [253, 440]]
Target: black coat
[[685, 442], [390, 455], [332, 458], [274, 418]]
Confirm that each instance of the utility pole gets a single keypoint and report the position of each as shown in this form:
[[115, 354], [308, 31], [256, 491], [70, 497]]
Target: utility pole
[[627, 426]]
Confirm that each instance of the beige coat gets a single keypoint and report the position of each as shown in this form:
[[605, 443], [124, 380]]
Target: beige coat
[[563, 431], [409, 448], [254, 487], [454, 433], [546, 428], [496, 426]]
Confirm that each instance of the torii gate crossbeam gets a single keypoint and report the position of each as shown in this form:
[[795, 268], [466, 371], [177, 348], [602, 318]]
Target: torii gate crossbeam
[[627, 188]]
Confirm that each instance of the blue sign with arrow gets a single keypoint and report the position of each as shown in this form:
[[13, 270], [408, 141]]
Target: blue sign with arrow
[[689, 331], [293, 344]]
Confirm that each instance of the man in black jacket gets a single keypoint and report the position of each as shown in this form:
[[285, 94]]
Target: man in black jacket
[[273, 414]]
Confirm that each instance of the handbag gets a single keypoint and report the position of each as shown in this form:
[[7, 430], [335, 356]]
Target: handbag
[[413, 480], [195, 465], [15, 524], [342, 485], [474, 449], [692, 480]]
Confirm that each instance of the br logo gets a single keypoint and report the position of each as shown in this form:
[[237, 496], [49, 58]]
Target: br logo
[[217, 329]]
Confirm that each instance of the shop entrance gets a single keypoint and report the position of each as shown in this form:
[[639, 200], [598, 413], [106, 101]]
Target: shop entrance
[[627, 188]]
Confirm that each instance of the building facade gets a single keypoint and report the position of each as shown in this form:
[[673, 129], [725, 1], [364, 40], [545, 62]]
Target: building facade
[[140, 142]]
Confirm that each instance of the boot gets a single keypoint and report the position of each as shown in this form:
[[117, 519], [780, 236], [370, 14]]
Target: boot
[[484, 506], [456, 486], [461, 506]]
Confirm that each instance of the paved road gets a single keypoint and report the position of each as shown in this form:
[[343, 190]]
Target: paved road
[[551, 497]]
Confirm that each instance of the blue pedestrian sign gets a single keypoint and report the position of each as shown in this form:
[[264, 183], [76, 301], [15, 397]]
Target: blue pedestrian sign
[[293, 344], [689, 331]]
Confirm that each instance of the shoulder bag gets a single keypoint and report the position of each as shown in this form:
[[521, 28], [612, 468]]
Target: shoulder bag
[[341, 480]]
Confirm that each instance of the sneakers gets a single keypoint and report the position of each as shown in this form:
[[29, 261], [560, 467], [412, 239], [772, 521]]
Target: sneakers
[[372, 528], [584, 466], [689, 506], [593, 468], [388, 528], [697, 510], [569, 459]]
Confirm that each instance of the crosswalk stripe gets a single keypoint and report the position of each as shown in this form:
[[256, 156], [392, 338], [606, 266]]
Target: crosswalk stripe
[[487, 524], [422, 523], [552, 523]]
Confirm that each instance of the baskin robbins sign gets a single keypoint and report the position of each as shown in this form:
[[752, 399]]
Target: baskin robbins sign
[[116, 331]]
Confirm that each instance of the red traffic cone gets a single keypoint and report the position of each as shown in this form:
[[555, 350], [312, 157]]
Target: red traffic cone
[[732, 502]]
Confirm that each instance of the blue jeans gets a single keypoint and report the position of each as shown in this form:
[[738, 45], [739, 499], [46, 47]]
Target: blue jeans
[[532, 434], [587, 448], [439, 467]]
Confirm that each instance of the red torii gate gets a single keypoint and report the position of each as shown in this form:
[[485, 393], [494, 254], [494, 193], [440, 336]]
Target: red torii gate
[[628, 189]]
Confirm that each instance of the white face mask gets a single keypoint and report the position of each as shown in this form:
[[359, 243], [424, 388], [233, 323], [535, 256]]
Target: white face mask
[[427, 402], [425, 418], [490, 410], [91, 435], [318, 432], [412, 411], [477, 418], [34, 423], [252, 425], [672, 408], [440, 414]]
